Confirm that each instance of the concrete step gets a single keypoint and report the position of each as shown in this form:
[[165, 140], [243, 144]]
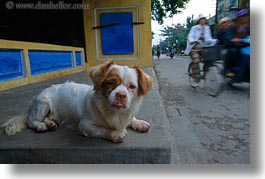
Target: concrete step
[[67, 146]]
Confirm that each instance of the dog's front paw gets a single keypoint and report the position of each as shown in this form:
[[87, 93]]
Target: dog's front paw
[[139, 125], [41, 127], [117, 136], [51, 124]]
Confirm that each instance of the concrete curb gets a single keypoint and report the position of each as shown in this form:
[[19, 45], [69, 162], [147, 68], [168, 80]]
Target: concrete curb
[[66, 146]]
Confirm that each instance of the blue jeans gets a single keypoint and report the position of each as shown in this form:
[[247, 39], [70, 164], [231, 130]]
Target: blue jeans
[[243, 72], [237, 63]]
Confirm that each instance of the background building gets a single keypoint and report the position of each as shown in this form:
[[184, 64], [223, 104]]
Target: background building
[[229, 8], [46, 39]]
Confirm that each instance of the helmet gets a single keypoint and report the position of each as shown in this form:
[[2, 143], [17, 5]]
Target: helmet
[[242, 12], [225, 19]]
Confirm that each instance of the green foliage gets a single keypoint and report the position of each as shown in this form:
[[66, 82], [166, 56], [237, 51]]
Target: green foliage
[[177, 32], [190, 21], [166, 8]]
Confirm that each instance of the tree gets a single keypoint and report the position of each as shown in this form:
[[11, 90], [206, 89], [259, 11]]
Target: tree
[[190, 21], [176, 32], [166, 8], [181, 36]]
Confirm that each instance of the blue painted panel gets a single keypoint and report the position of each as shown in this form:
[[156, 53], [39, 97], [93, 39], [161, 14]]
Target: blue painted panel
[[49, 61], [79, 59], [11, 64], [118, 39]]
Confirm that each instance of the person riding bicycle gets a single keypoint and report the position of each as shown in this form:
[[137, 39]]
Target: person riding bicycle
[[199, 36]]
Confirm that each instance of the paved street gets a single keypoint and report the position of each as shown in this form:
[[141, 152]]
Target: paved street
[[204, 129]]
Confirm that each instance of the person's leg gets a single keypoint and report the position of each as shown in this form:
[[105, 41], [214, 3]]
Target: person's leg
[[230, 61], [195, 57], [243, 68]]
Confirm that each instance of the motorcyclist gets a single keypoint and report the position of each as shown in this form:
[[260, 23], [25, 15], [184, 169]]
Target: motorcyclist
[[239, 50], [171, 52], [158, 51]]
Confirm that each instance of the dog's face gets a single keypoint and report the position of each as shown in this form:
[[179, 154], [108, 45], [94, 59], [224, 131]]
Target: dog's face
[[120, 85]]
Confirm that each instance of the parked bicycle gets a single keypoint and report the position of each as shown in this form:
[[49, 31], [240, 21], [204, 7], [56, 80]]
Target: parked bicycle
[[211, 66]]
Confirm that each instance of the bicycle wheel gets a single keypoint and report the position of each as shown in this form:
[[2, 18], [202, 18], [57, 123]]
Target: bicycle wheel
[[214, 80], [190, 74]]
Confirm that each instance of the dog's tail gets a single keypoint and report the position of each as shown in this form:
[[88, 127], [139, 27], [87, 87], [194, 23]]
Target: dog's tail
[[15, 124]]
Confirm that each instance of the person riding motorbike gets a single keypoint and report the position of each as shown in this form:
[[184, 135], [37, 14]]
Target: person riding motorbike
[[238, 58], [158, 52], [171, 54]]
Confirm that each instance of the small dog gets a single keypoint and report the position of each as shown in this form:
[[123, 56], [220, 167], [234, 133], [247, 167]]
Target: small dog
[[103, 110]]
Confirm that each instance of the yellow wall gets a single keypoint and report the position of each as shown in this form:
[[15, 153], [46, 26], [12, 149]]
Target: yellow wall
[[142, 33], [142, 55], [25, 47]]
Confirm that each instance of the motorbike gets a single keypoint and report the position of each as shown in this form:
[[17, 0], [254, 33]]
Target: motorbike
[[242, 69], [171, 55]]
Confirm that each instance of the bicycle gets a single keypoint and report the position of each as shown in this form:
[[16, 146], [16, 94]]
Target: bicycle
[[211, 66]]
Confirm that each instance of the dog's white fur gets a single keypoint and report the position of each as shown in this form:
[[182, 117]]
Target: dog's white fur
[[103, 110]]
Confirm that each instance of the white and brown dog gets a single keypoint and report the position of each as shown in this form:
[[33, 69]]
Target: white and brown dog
[[104, 110]]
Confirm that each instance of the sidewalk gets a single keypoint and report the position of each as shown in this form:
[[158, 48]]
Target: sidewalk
[[66, 146]]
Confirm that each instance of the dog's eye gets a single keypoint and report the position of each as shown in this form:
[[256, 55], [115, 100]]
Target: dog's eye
[[132, 86], [109, 83]]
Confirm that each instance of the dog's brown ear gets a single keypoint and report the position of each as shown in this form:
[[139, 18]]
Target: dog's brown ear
[[145, 82], [98, 73]]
